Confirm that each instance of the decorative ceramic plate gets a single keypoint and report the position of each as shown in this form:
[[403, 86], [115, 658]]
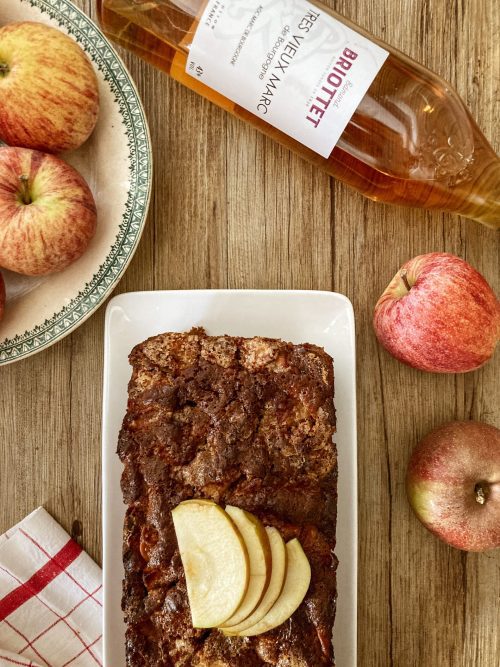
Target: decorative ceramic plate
[[321, 318], [116, 163]]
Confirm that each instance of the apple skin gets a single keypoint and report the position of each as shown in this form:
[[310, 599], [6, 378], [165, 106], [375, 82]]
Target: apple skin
[[449, 321], [2, 296], [53, 230], [49, 98], [443, 475]]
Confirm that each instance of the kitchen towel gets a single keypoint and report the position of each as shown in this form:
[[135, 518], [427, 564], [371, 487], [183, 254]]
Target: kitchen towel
[[50, 597]]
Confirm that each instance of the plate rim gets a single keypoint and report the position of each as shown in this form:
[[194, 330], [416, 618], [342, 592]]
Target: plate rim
[[352, 418], [133, 220]]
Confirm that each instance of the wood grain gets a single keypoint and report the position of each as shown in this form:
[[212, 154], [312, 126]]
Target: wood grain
[[232, 209]]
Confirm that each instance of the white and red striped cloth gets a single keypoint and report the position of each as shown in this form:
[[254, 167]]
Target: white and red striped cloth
[[50, 597]]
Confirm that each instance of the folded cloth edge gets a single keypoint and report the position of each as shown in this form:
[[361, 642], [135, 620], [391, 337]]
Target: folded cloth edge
[[56, 564], [11, 531]]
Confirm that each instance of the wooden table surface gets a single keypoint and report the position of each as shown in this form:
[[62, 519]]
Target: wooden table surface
[[230, 209]]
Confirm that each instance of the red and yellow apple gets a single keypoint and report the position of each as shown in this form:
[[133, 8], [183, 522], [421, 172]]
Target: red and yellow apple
[[438, 314], [2, 296], [49, 99], [453, 484], [47, 212]]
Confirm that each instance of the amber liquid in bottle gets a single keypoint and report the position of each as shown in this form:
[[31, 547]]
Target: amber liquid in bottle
[[411, 140]]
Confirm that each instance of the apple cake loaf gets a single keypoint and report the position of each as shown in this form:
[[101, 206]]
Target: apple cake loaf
[[246, 422]]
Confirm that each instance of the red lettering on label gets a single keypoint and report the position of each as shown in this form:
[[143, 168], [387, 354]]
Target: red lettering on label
[[352, 55], [344, 64], [334, 80]]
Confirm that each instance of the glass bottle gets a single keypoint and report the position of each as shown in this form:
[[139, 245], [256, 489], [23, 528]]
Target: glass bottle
[[410, 141]]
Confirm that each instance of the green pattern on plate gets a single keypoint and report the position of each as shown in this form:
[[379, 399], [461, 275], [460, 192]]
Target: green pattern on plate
[[85, 32]]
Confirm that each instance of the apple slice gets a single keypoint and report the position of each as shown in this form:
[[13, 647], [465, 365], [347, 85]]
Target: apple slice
[[259, 552], [215, 561], [297, 580], [278, 572]]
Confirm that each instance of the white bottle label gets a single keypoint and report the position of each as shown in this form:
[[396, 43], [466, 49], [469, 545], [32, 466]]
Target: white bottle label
[[288, 62]]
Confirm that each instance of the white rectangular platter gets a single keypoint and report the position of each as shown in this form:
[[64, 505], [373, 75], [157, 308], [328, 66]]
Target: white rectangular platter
[[322, 318]]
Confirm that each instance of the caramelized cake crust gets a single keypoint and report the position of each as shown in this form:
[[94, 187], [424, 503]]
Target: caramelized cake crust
[[246, 422]]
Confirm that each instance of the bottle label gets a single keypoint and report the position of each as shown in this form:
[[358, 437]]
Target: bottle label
[[288, 62]]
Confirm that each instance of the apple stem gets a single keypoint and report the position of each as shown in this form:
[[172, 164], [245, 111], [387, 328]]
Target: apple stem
[[4, 69], [404, 277], [480, 494], [25, 192], [483, 489]]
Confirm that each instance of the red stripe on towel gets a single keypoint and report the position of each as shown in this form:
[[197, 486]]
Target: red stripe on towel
[[47, 573]]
